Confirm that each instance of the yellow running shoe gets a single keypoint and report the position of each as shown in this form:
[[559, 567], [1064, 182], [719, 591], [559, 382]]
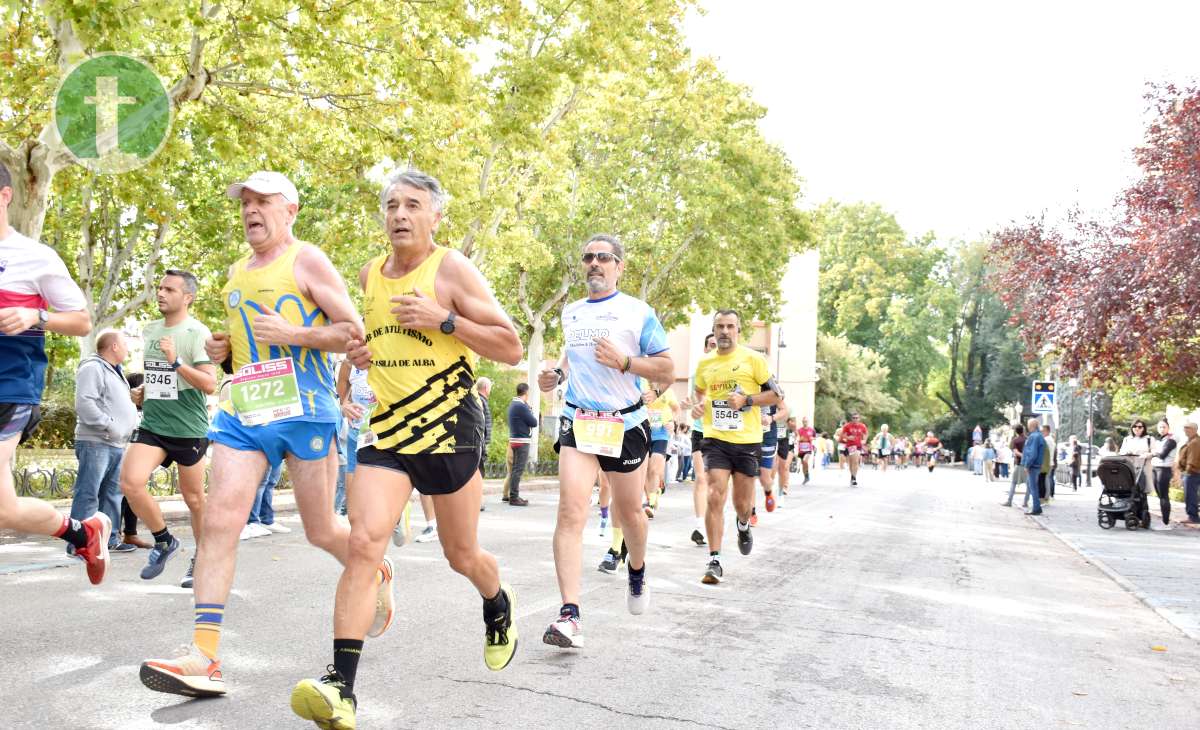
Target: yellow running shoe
[[500, 640], [321, 701]]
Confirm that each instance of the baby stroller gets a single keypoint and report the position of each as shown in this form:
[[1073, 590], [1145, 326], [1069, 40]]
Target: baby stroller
[[1123, 497]]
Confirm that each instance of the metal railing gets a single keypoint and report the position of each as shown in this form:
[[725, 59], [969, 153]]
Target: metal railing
[[59, 482]]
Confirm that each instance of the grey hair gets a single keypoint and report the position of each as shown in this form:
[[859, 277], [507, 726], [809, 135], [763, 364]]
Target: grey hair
[[190, 285], [417, 179], [617, 248]]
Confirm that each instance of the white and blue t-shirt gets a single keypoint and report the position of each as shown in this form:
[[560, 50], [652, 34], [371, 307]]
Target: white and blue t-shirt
[[633, 327]]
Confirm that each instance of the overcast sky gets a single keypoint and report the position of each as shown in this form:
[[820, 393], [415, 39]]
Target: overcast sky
[[955, 116]]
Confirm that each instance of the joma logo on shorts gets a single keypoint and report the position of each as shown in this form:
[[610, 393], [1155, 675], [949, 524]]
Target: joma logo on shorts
[[627, 462]]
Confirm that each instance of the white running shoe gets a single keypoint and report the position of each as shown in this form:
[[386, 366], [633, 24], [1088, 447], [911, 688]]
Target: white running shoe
[[565, 633], [385, 602], [247, 532], [637, 597], [278, 528], [429, 534]]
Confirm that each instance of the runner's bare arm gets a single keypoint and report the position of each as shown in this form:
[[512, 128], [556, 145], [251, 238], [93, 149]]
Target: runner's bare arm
[[548, 379], [201, 377], [320, 282], [15, 320], [481, 324], [343, 381]]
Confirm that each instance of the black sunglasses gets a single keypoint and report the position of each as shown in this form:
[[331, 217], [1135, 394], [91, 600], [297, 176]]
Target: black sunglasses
[[602, 256]]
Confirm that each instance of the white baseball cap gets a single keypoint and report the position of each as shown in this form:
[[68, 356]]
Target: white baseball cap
[[266, 183]]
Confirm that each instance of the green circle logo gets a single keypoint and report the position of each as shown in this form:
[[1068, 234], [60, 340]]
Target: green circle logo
[[112, 113]]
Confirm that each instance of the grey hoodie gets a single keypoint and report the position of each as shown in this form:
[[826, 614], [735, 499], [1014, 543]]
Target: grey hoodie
[[104, 411]]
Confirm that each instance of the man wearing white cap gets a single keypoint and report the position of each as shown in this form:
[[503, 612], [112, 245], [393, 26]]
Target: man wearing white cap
[[286, 309]]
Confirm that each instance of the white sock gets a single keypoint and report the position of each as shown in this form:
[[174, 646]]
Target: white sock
[[743, 526], [700, 524]]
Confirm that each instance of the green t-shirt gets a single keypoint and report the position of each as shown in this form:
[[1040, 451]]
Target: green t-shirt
[[185, 416]]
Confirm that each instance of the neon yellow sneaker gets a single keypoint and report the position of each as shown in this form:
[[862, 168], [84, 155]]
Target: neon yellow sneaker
[[500, 639], [321, 701]]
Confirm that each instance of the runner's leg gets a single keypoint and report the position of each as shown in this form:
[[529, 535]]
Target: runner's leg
[[714, 516], [576, 475], [139, 463], [313, 485], [374, 511], [23, 514]]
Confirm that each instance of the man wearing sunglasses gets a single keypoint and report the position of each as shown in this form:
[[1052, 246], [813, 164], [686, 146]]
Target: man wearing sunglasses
[[610, 339]]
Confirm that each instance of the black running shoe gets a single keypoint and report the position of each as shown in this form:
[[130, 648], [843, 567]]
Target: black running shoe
[[190, 576], [609, 564], [713, 575], [745, 541], [698, 538]]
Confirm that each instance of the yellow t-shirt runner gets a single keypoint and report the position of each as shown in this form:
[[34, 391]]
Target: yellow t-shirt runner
[[743, 370], [661, 414]]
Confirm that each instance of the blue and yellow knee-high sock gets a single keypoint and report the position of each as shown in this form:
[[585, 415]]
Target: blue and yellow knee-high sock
[[206, 634]]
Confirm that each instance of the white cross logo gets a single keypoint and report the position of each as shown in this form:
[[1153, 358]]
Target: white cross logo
[[107, 100]]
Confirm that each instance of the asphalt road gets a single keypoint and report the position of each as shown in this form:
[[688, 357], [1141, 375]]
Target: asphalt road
[[913, 601]]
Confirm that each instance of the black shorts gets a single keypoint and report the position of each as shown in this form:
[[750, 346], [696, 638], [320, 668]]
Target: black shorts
[[181, 451], [659, 447], [739, 458], [697, 439], [429, 473], [634, 450], [784, 449], [18, 420]]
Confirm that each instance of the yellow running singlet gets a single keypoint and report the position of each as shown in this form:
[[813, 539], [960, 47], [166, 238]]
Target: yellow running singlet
[[717, 375], [423, 379], [250, 292]]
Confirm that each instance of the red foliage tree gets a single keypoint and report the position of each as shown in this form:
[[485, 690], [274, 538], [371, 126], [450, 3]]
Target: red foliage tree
[[1120, 297]]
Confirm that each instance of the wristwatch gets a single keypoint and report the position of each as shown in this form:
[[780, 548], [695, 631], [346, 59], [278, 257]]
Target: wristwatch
[[177, 364], [447, 327], [561, 375], [43, 319]]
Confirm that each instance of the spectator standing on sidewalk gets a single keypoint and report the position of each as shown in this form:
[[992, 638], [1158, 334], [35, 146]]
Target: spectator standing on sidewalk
[[1189, 468], [989, 461], [1162, 463], [1033, 455], [105, 418], [521, 422], [1139, 445], [1017, 446], [261, 521], [1049, 464], [1075, 459]]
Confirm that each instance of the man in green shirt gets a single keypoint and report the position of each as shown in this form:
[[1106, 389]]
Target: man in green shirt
[[174, 429]]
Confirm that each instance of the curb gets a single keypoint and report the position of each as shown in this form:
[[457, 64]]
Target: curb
[[1150, 602]]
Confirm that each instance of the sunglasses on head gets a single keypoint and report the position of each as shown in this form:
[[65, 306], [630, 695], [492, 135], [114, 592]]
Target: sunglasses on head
[[602, 256]]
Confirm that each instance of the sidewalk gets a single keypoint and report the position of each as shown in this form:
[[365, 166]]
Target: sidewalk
[[22, 554], [1162, 569]]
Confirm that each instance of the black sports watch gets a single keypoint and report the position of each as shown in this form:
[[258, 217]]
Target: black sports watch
[[447, 327]]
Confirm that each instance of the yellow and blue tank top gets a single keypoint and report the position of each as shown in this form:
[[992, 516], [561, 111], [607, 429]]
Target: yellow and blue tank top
[[424, 380], [250, 292]]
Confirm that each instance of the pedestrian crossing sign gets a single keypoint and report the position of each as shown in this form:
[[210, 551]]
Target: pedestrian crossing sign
[[1043, 399]]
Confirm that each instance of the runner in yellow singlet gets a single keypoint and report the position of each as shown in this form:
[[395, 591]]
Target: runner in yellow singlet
[[286, 309], [428, 312], [730, 386]]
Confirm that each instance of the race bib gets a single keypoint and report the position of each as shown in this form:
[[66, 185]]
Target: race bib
[[267, 391], [656, 419], [161, 381], [599, 432], [366, 438], [804, 447], [781, 430], [724, 417]]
